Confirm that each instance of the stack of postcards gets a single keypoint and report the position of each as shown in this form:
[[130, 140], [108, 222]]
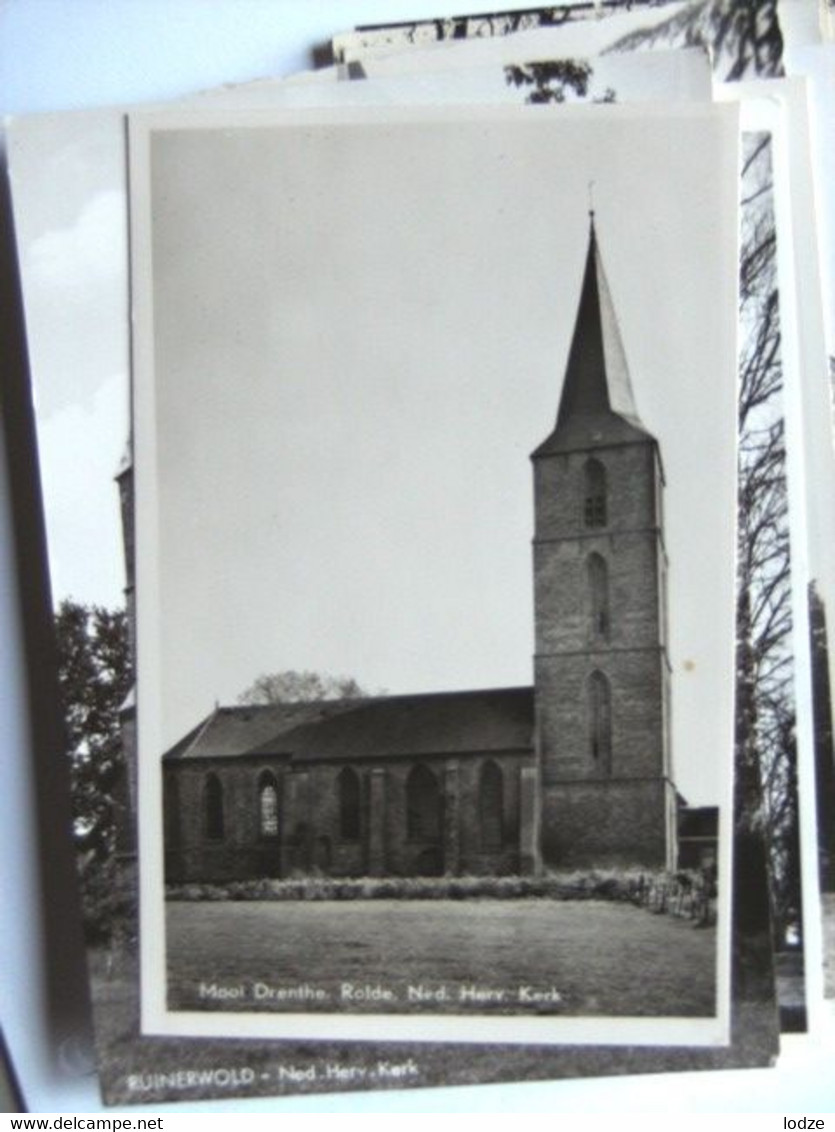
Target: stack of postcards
[[445, 671]]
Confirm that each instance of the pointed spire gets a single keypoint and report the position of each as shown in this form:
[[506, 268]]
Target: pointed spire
[[596, 390], [596, 377], [585, 389]]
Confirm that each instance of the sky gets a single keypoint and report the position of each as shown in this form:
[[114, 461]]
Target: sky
[[350, 340], [68, 174], [68, 187]]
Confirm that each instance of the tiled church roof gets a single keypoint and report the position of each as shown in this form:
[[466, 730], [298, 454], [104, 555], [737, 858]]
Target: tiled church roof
[[444, 723]]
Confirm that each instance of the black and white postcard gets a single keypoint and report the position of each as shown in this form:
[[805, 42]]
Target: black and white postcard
[[137, 1067], [435, 483]]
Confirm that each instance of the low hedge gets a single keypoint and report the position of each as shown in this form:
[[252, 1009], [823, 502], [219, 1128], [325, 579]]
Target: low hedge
[[612, 885]]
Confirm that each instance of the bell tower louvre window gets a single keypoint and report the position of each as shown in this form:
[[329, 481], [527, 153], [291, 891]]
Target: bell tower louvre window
[[594, 495]]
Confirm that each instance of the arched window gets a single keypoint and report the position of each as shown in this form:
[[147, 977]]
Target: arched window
[[424, 806], [267, 805], [594, 494], [491, 806], [349, 804], [213, 808], [598, 596], [599, 701]]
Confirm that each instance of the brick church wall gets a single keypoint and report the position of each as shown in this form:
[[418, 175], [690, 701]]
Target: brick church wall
[[241, 852], [605, 824], [558, 489], [311, 840], [637, 715]]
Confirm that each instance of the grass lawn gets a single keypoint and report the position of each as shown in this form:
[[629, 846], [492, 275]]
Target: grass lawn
[[599, 958]]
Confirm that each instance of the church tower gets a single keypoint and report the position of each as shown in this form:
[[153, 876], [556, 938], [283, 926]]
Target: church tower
[[601, 665]]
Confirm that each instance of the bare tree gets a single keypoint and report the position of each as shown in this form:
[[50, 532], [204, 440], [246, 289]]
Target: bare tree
[[292, 687], [766, 714]]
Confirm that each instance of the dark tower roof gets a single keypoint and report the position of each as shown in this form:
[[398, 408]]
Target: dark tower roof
[[597, 407]]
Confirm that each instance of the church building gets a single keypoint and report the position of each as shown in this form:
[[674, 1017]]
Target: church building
[[573, 772]]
